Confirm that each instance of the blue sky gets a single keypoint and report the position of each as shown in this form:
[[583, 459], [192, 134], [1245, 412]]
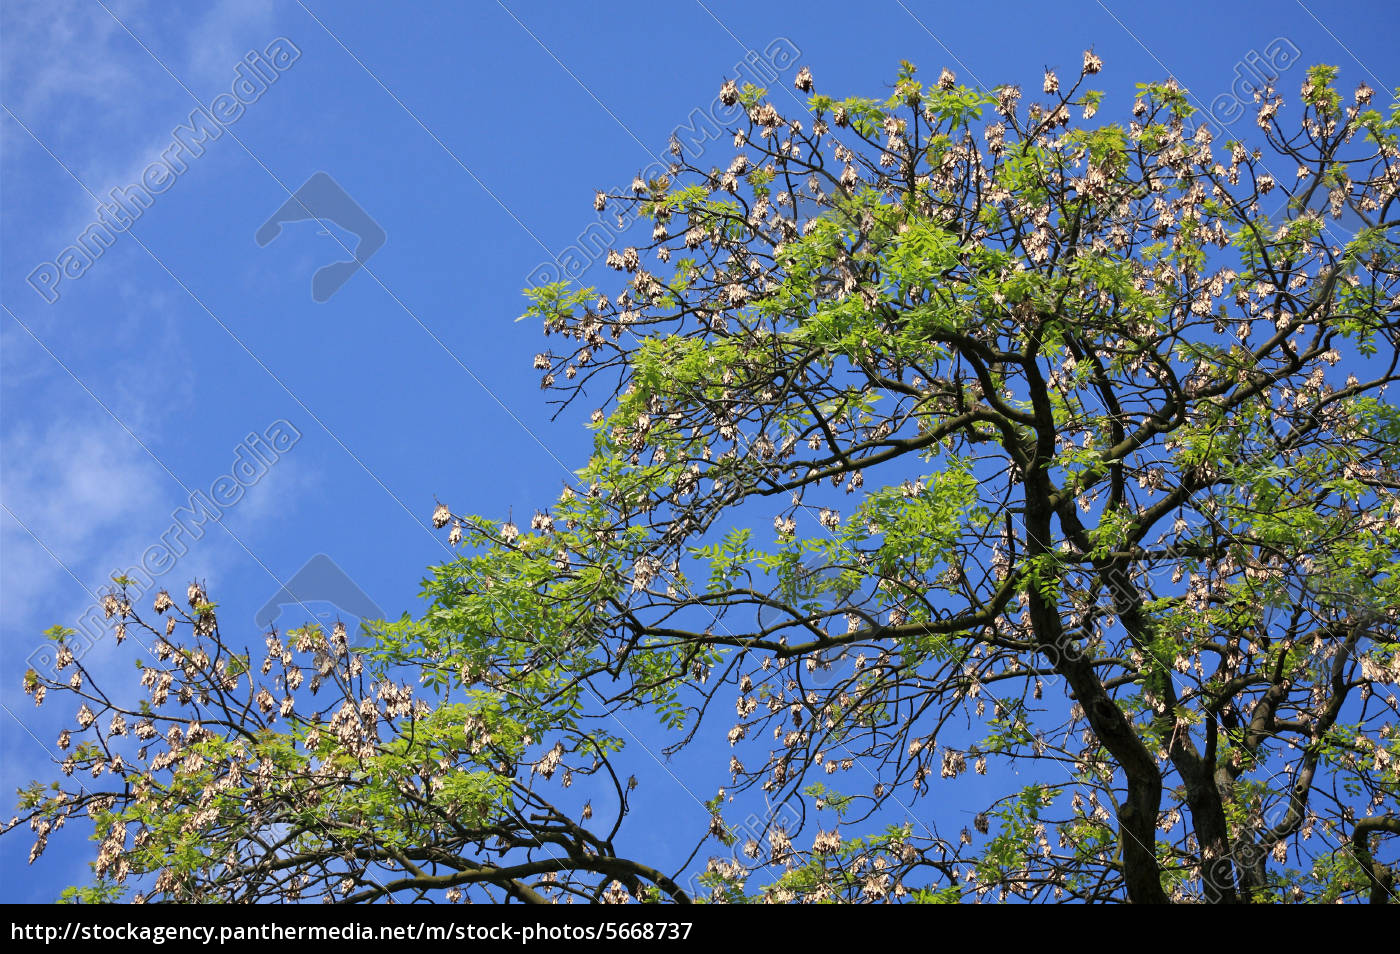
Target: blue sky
[[474, 135]]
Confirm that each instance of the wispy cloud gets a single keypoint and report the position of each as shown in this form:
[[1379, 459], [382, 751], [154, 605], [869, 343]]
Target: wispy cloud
[[218, 41], [59, 54], [82, 488], [80, 81]]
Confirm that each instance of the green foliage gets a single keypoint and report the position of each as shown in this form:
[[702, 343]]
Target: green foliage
[[1080, 467]]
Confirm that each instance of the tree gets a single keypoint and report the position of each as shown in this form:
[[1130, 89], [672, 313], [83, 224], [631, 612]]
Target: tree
[[956, 434]]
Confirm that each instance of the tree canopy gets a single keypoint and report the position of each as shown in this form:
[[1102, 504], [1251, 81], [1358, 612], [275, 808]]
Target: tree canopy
[[938, 436]]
